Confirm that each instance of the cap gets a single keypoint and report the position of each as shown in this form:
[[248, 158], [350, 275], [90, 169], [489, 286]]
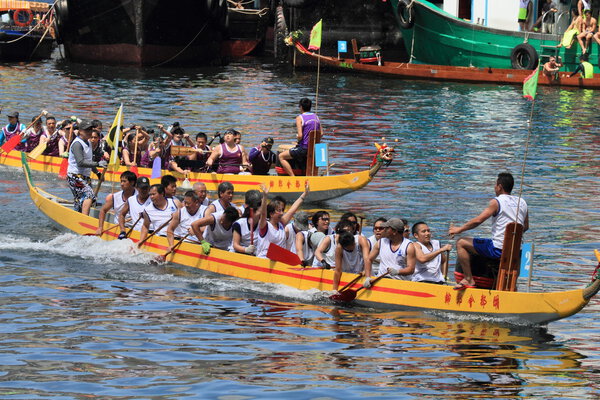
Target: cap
[[85, 125], [268, 140], [13, 115], [142, 182], [315, 239], [301, 221], [394, 223]]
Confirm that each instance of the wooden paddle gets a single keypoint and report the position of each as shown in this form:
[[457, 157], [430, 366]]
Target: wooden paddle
[[251, 226], [106, 230], [15, 140], [352, 282], [64, 164], [155, 232], [38, 150], [162, 258], [278, 253], [348, 295], [100, 180], [133, 226], [134, 168]]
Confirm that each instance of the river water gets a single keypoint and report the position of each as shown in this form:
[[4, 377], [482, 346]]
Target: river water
[[82, 318]]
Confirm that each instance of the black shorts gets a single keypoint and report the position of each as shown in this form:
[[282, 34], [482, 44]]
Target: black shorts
[[298, 153]]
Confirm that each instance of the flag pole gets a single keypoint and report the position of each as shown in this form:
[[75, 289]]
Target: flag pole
[[318, 75]]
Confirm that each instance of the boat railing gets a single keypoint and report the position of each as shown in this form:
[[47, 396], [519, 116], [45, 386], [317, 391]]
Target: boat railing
[[558, 19]]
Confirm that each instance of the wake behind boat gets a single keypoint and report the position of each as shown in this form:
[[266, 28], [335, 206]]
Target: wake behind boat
[[513, 307]]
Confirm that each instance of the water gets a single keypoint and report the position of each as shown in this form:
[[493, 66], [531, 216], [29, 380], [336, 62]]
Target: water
[[82, 318]]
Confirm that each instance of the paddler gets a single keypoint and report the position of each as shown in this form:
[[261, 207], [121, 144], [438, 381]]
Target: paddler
[[34, 134], [134, 207], [158, 213], [428, 254], [116, 201], [13, 128], [80, 168], [181, 224]]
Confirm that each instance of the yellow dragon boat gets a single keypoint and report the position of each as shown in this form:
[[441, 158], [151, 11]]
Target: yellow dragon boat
[[512, 307], [289, 187]]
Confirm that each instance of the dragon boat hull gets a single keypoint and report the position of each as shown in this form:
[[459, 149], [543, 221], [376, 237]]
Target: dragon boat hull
[[512, 307], [289, 187]]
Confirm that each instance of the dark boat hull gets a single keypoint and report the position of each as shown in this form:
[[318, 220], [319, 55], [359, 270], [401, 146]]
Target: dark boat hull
[[142, 32], [16, 47]]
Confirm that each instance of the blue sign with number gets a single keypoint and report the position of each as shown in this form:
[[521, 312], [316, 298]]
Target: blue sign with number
[[342, 46], [526, 259], [321, 155]]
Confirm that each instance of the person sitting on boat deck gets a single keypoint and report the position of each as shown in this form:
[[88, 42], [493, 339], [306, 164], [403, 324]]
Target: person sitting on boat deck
[[547, 15], [14, 127], [262, 158], [306, 122], [350, 253], [572, 31], [297, 225], [158, 213], [34, 134], [307, 241], [525, 13], [552, 67], [80, 167], [117, 201], [392, 252], [244, 228], [56, 143], [503, 210], [232, 157], [431, 260], [219, 229], [588, 27], [273, 220], [374, 238], [134, 207], [202, 153], [225, 192], [585, 68], [169, 182], [202, 193], [583, 5], [181, 224], [325, 250]]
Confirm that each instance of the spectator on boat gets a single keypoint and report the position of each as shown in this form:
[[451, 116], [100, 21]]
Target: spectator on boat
[[588, 27], [374, 238], [14, 127], [584, 5], [306, 123], [80, 167], [307, 242], [56, 143], [134, 207], [262, 158], [503, 210], [325, 251], [245, 233], [34, 134], [225, 193], [552, 67], [525, 13], [585, 68], [232, 157], [547, 14], [169, 182], [572, 31], [219, 228], [430, 260], [202, 153], [116, 201], [392, 252], [350, 253], [273, 220], [202, 193], [158, 213], [181, 224]]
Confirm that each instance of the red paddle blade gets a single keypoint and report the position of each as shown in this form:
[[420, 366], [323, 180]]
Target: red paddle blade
[[11, 144], [134, 169], [64, 165], [344, 297], [278, 253]]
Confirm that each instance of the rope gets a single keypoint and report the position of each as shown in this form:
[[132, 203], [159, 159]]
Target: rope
[[182, 50]]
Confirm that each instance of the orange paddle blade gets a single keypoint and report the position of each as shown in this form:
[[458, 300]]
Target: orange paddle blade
[[11, 144], [64, 165], [278, 253]]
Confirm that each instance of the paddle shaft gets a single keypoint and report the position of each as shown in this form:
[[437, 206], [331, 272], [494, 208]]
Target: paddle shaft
[[133, 226], [155, 232], [176, 246], [100, 180], [352, 282], [106, 230], [251, 226]]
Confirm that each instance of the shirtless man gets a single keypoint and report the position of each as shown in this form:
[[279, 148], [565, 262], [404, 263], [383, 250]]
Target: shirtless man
[[552, 67], [431, 260], [117, 200], [588, 27]]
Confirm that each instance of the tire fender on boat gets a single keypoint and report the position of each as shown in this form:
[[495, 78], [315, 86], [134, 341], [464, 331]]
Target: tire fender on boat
[[524, 56], [406, 14], [18, 22]]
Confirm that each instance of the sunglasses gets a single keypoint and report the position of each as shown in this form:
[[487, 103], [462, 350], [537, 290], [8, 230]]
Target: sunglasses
[[378, 228], [324, 219]]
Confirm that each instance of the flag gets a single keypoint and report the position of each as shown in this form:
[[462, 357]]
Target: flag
[[114, 137], [530, 85], [315, 36]]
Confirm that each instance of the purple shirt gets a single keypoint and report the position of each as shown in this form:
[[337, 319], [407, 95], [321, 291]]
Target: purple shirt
[[310, 122], [230, 162], [261, 164]]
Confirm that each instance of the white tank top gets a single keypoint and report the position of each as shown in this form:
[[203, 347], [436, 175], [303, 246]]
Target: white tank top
[[158, 217], [119, 202], [273, 235], [291, 237], [218, 206], [244, 229], [506, 214], [217, 235], [375, 264], [307, 251], [87, 156], [185, 221], [328, 255], [135, 209], [393, 259], [431, 270], [352, 261]]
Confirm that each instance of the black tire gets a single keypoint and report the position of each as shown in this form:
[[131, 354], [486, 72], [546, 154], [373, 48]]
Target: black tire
[[524, 56], [280, 50], [406, 14], [61, 19]]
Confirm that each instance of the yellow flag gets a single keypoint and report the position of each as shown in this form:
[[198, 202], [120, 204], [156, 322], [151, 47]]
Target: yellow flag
[[114, 137], [315, 36]]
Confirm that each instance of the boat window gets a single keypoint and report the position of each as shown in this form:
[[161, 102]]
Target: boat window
[[4, 17], [464, 9]]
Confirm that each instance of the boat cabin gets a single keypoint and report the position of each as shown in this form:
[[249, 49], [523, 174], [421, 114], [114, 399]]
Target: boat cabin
[[22, 15]]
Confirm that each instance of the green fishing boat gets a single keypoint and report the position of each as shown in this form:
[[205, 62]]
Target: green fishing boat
[[433, 35]]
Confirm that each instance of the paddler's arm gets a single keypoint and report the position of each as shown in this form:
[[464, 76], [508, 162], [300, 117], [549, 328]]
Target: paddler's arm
[[123, 214], [489, 211], [299, 133], [171, 229], [145, 228], [108, 204], [339, 259], [216, 153], [262, 222], [199, 223], [285, 218], [325, 243]]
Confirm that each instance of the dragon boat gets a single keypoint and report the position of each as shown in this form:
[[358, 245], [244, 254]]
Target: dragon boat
[[531, 308], [289, 187]]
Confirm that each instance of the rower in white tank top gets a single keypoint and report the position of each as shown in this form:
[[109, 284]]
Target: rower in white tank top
[[273, 235], [328, 255], [135, 210], [393, 259], [217, 235], [118, 204], [431, 270], [158, 217], [185, 221], [352, 261], [242, 226]]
